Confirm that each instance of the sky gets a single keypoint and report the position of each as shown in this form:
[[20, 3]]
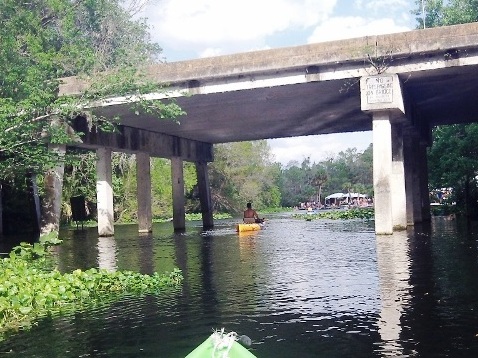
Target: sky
[[189, 29]]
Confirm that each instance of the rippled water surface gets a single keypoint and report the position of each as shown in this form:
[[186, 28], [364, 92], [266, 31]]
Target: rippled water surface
[[297, 289]]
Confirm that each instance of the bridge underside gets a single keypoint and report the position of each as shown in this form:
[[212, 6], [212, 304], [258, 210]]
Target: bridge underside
[[315, 89], [440, 96]]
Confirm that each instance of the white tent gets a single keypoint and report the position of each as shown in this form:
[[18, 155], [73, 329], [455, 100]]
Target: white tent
[[356, 195], [347, 197], [336, 196]]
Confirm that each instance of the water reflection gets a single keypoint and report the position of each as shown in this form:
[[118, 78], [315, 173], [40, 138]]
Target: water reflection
[[107, 253], [393, 264], [297, 288], [146, 253], [444, 305]]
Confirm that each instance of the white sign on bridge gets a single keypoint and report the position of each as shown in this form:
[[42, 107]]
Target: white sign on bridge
[[379, 89]]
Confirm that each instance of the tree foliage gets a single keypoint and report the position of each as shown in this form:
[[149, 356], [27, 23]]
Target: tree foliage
[[44, 40], [347, 171], [453, 163], [443, 13], [243, 172], [452, 156]]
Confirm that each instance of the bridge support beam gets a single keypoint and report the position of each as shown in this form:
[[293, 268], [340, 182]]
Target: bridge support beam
[[104, 192], [204, 195], [51, 210], [411, 176], [416, 169], [382, 173], [399, 198], [423, 182], [177, 176], [382, 96], [143, 196]]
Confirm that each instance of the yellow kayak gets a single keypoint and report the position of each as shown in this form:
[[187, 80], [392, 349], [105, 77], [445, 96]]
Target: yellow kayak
[[248, 227]]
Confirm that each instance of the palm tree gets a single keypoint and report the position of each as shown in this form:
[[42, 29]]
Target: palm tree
[[318, 180], [347, 186]]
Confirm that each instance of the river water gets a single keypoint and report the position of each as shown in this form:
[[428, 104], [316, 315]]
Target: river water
[[297, 289]]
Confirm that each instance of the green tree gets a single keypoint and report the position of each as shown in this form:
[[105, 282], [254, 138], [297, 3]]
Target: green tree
[[296, 183], [44, 40], [429, 13], [340, 171], [443, 13], [243, 172], [362, 172], [346, 171], [451, 158], [350, 171], [79, 180], [319, 179], [453, 163], [271, 194], [162, 192]]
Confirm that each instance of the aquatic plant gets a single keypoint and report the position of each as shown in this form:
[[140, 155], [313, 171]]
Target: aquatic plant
[[198, 216], [30, 288], [357, 213]]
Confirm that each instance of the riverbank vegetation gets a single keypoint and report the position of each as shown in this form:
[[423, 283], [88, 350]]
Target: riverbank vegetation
[[344, 214], [348, 171], [32, 288]]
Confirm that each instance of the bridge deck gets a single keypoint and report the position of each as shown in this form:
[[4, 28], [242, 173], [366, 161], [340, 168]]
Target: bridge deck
[[313, 89]]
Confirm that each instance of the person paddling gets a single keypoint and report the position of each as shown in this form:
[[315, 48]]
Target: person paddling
[[251, 216]]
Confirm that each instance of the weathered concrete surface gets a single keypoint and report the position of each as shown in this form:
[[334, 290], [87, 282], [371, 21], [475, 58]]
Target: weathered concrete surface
[[313, 89], [204, 189], [135, 140], [382, 173], [53, 183], [104, 193], [177, 178], [399, 197], [143, 190]]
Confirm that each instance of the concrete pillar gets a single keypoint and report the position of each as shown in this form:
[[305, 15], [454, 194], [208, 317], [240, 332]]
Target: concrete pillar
[[409, 164], [143, 178], [177, 176], [383, 97], [418, 178], [423, 182], [104, 192], [382, 173], [51, 210], [399, 202], [204, 195]]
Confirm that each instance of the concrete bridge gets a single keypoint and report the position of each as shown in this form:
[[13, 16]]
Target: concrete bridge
[[399, 86]]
